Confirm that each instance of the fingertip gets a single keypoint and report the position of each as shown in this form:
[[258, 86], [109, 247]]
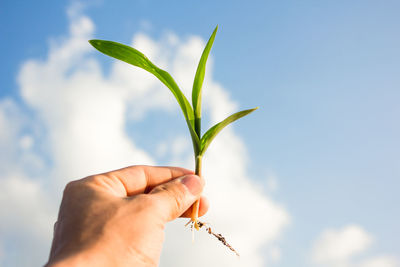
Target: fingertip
[[193, 183]]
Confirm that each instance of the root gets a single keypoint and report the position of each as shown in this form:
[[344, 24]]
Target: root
[[198, 224]]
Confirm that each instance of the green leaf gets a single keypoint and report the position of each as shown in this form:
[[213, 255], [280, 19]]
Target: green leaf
[[198, 82], [136, 58], [213, 131]]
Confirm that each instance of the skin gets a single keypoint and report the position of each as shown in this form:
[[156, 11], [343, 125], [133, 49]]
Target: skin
[[118, 218]]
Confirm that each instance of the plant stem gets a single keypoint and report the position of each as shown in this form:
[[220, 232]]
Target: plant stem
[[195, 209], [198, 165]]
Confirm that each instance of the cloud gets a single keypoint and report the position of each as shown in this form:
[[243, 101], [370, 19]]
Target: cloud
[[27, 215], [83, 112], [78, 127], [340, 245], [339, 248], [380, 261]]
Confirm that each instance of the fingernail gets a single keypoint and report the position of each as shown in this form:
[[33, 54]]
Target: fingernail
[[193, 184]]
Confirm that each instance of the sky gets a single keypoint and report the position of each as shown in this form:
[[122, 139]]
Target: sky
[[309, 179]]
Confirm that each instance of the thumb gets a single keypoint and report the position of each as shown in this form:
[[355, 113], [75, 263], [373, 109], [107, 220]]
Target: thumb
[[175, 197]]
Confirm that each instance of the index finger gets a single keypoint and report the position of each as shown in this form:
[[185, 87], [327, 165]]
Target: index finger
[[140, 179]]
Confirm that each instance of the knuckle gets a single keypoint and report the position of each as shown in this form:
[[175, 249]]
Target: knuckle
[[70, 187], [75, 185]]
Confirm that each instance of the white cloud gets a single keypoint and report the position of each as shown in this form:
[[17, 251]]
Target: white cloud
[[275, 254], [16, 142], [11, 122], [82, 113], [26, 216], [339, 248], [380, 261], [340, 245]]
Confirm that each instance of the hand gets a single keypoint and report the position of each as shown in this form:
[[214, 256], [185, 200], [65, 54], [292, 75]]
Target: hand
[[118, 218]]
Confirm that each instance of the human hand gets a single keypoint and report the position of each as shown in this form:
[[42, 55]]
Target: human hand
[[118, 218]]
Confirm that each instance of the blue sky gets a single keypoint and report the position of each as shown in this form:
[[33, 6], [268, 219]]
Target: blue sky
[[326, 78]]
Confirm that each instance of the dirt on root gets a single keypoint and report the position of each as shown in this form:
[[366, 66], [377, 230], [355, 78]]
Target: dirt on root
[[220, 237]]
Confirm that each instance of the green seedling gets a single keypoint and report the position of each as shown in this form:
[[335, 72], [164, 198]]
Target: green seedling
[[192, 113]]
